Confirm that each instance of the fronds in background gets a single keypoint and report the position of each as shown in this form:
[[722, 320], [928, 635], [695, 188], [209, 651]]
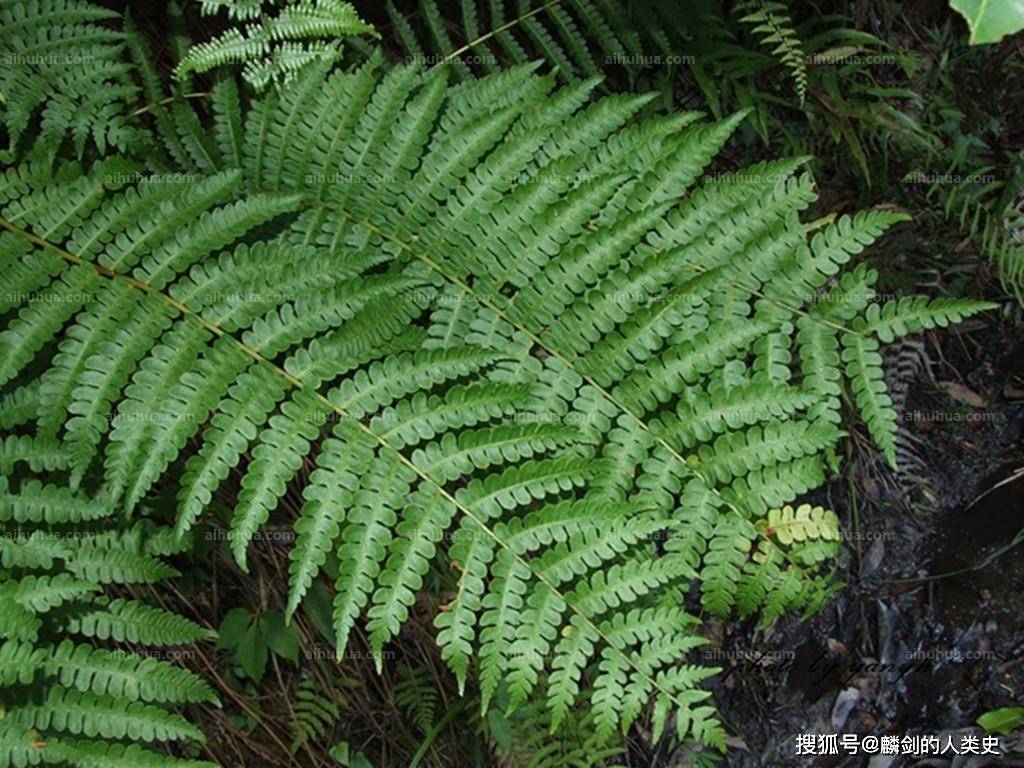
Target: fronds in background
[[65, 73], [581, 38], [985, 203], [273, 47], [771, 24], [74, 685], [1009, 250], [972, 178], [735, 57]]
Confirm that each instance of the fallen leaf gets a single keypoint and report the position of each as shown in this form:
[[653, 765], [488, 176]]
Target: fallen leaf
[[963, 394], [1012, 392], [837, 647], [735, 743]]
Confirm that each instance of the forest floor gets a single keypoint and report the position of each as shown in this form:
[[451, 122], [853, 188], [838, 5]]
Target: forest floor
[[905, 649]]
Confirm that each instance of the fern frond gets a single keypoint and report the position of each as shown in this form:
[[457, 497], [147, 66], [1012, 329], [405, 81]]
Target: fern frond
[[89, 714], [580, 38], [36, 502], [416, 696], [133, 622], [19, 662], [39, 453], [50, 589], [315, 714], [41, 593], [771, 24], [865, 372], [914, 313], [802, 524], [864, 363], [350, 309], [274, 48], [64, 66], [125, 675], [116, 565], [103, 754]]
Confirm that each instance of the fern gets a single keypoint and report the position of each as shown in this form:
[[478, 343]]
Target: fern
[[771, 24], [649, 43], [802, 524], [467, 323], [985, 209], [314, 714], [273, 48], [64, 64], [1006, 247], [968, 177], [416, 696], [525, 739], [58, 686], [581, 38]]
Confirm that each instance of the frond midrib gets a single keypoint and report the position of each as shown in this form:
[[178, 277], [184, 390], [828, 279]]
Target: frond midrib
[[324, 401], [569, 362]]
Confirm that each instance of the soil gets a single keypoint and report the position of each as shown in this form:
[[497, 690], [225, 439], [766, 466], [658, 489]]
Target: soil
[[888, 655]]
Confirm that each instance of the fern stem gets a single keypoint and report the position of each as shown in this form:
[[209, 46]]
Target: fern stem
[[494, 32], [168, 100], [461, 284]]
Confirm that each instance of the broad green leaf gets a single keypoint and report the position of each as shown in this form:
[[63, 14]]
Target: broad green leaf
[[990, 20], [233, 627], [252, 653], [1002, 720], [282, 639]]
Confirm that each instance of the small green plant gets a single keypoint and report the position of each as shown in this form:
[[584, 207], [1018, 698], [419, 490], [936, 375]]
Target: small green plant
[[273, 48], [1002, 720], [252, 637], [347, 757]]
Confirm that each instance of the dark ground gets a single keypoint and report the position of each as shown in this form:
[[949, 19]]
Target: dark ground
[[894, 657]]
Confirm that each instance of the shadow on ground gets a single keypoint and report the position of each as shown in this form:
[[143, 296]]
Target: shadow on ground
[[888, 656]]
